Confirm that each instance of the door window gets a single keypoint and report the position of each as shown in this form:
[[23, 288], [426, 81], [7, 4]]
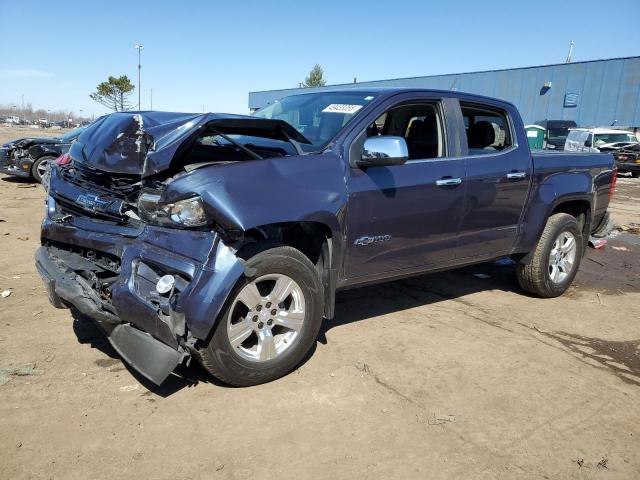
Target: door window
[[419, 124], [488, 129]]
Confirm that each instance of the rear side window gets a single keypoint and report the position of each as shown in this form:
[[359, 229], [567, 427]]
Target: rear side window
[[488, 129]]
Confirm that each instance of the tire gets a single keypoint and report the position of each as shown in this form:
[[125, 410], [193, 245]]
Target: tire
[[36, 168], [536, 276], [635, 174], [263, 349]]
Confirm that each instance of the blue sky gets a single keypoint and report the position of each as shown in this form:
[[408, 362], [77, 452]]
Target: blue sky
[[211, 54]]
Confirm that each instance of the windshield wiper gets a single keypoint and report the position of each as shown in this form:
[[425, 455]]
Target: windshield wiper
[[237, 144], [295, 144]]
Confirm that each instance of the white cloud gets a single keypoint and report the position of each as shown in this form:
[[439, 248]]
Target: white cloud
[[24, 72]]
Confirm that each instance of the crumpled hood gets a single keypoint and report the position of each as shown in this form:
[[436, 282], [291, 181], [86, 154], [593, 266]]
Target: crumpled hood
[[28, 141], [145, 143]]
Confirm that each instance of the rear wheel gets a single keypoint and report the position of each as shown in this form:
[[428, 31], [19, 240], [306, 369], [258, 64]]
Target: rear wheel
[[556, 258], [270, 322], [40, 168], [635, 174]]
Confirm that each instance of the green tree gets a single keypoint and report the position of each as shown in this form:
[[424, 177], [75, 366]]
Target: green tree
[[114, 93], [315, 78]]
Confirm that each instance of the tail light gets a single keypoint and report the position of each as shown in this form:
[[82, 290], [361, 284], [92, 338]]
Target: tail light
[[614, 182], [63, 159]]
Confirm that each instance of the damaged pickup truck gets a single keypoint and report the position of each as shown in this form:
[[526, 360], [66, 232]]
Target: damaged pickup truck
[[224, 238]]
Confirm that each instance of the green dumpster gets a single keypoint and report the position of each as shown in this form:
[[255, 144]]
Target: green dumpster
[[535, 136]]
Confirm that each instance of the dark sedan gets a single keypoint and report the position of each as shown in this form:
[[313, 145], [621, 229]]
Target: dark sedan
[[29, 157]]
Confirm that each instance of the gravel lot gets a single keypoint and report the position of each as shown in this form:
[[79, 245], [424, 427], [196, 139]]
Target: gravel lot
[[442, 376]]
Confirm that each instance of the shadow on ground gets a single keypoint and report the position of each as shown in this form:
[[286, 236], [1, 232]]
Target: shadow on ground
[[392, 297], [27, 181]]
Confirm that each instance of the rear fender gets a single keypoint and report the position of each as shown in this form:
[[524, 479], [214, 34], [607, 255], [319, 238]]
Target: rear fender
[[555, 190]]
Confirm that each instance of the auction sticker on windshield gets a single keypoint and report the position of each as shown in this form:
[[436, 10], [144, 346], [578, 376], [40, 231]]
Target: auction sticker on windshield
[[341, 108]]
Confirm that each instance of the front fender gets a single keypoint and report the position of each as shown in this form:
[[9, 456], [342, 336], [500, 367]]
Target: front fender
[[212, 287], [37, 151], [245, 195]]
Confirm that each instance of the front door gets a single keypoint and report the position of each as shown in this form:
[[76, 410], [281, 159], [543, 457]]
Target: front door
[[406, 216]]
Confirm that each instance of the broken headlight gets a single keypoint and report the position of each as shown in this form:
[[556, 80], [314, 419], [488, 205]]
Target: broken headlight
[[183, 213]]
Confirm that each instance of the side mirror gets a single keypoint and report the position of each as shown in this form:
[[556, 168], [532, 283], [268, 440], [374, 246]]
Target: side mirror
[[383, 151], [587, 142]]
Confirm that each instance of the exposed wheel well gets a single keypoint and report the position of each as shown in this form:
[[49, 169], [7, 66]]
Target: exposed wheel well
[[308, 237], [581, 210], [313, 239]]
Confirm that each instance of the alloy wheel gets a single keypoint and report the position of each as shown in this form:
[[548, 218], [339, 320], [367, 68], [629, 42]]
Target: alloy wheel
[[266, 317], [562, 257]]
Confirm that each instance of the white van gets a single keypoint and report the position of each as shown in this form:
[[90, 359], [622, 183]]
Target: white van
[[592, 139]]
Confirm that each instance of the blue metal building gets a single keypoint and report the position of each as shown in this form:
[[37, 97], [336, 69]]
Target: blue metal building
[[592, 93]]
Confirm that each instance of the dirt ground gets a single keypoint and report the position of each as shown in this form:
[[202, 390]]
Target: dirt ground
[[449, 375]]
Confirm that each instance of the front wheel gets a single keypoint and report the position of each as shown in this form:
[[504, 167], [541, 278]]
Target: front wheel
[[40, 168], [270, 322], [556, 258]]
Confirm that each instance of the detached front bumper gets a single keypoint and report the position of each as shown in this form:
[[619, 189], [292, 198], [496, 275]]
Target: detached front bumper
[[111, 276], [150, 357]]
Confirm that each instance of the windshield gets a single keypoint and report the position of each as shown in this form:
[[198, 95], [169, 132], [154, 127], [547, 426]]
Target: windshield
[[72, 135], [604, 138], [317, 116]]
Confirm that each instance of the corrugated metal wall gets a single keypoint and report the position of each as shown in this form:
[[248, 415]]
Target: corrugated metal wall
[[607, 90]]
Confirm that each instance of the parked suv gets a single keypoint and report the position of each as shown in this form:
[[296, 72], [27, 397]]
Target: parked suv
[[224, 238], [593, 139]]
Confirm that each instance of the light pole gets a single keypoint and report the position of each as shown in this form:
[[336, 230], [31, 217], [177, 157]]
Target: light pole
[[139, 47]]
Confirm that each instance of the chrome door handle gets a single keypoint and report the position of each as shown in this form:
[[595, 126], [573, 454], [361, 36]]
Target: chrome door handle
[[448, 182], [516, 175]]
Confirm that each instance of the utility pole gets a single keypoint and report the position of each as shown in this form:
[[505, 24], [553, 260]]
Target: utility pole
[[571, 45], [139, 47], [151, 100]]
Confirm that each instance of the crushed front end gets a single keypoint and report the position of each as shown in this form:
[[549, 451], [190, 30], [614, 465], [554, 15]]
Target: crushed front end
[[98, 256], [15, 161], [133, 235]]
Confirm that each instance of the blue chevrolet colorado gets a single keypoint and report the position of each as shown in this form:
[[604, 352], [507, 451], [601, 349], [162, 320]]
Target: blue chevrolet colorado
[[224, 238]]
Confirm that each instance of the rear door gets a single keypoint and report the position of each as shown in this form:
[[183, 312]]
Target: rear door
[[499, 170]]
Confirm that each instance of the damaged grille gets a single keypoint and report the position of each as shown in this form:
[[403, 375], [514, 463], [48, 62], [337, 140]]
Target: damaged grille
[[105, 196], [102, 182]]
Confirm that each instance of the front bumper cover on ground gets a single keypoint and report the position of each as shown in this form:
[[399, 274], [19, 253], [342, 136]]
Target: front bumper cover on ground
[[152, 358]]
